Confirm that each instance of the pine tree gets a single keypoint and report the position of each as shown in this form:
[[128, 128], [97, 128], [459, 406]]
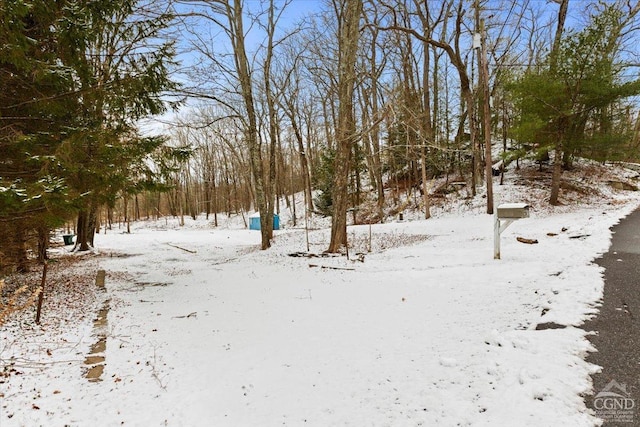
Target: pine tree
[[323, 182], [121, 67], [36, 105], [74, 79], [569, 106]]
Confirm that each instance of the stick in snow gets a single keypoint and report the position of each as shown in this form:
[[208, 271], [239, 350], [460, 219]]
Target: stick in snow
[[332, 268], [194, 314], [183, 249]]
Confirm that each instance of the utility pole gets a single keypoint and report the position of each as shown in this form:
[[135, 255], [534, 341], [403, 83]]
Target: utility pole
[[473, 111], [486, 112], [480, 43]]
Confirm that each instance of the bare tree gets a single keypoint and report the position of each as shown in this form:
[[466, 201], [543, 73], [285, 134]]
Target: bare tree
[[459, 62], [348, 13], [229, 16], [290, 97], [374, 63]]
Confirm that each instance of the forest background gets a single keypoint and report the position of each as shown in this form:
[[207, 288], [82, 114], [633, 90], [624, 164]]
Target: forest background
[[361, 107]]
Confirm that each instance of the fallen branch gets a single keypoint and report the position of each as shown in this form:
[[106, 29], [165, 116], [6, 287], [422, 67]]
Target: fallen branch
[[527, 241], [580, 236], [312, 255], [332, 268], [182, 249], [194, 314], [154, 372]]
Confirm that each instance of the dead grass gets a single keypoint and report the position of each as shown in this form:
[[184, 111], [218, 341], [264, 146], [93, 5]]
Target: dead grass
[[359, 243]]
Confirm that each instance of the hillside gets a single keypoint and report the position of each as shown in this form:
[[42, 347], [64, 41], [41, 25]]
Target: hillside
[[420, 326]]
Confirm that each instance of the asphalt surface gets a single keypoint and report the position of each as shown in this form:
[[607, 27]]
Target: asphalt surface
[[617, 325]]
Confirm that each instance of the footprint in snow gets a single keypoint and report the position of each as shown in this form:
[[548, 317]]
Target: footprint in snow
[[448, 362]]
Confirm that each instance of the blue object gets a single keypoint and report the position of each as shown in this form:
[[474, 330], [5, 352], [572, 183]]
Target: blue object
[[254, 222]]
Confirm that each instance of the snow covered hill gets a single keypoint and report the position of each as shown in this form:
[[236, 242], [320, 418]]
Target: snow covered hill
[[203, 329]]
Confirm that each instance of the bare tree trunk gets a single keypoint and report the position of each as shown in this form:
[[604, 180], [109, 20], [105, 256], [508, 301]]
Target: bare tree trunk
[[267, 226], [293, 190], [93, 222], [110, 217], [302, 155], [374, 134], [43, 244], [159, 205], [562, 16], [126, 214], [235, 16], [82, 240], [207, 197], [556, 176], [425, 188], [214, 195], [371, 117], [558, 148], [427, 125], [349, 12]]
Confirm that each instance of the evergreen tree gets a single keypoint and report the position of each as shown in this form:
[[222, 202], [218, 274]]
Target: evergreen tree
[[323, 182], [571, 106], [74, 79], [36, 104], [122, 71]]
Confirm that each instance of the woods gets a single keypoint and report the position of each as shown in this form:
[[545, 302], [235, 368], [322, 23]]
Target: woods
[[76, 78], [354, 105]]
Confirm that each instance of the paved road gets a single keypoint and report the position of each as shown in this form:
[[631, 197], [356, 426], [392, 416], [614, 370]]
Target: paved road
[[617, 324]]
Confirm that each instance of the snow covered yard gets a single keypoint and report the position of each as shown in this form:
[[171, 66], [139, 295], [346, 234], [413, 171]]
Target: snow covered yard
[[203, 329]]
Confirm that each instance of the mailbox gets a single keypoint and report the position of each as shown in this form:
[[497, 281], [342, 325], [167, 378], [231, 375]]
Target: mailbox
[[503, 217], [513, 211]]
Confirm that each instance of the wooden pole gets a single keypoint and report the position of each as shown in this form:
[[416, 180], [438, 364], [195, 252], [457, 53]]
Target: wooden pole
[[41, 295], [486, 112]]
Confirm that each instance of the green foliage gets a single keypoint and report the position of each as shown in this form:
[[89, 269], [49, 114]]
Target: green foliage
[[121, 69], [578, 102], [510, 156], [12, 197], [323, 182], [74, 79], [34, 112], [168, 161]]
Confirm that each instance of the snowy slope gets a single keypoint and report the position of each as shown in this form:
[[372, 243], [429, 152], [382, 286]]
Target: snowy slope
[[203, 329]]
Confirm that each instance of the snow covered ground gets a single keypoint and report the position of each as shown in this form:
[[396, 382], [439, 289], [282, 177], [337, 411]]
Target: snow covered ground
[[203, 329]]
